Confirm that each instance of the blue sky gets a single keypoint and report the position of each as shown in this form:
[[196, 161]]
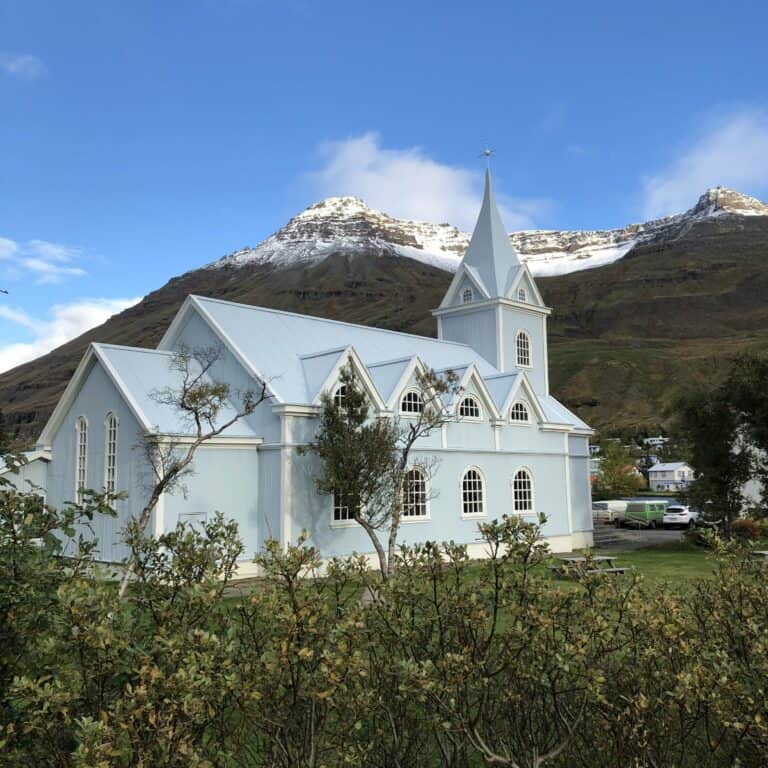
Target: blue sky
[[139, 140]]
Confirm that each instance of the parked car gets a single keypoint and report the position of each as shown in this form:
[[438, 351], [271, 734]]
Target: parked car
[[649, 514], [678, 514], [609, 511]]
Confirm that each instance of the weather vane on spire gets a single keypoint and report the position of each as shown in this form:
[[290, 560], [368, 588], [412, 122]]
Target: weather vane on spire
[[486, 153]]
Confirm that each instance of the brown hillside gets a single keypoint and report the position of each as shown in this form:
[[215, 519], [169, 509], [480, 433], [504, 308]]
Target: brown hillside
[[624, 338]]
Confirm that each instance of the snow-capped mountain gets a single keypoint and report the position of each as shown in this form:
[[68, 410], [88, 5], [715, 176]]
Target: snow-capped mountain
[[348, 225]]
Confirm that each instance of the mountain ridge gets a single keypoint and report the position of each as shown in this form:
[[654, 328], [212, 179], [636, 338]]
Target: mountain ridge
[[624, 336], [338, 224]]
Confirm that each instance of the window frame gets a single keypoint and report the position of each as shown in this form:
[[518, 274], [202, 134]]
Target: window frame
[[483, 494], [340, 395], [532, 492], [109, 439], [341, 523], [522, 295], [404, 518], [523, 334], [467, 292], [520, 422], [81, 453], [465, 417], [404, 396]]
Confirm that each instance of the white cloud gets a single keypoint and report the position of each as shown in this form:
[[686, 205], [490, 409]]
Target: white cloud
[[22, 65], [48, 262], [48, 272], [408, 184], [67, 322], [7, 248], [732, 152]]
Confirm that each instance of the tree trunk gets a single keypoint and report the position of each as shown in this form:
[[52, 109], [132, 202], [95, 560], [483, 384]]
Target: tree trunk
[[130, 566], [382, 555], [394, 529]]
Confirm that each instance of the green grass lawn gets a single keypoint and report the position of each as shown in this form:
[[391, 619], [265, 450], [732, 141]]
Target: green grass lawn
[[674, 562]]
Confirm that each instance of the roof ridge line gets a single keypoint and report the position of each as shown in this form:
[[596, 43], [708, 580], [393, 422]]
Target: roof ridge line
[[163, 352], [324, 352], [392, 361]]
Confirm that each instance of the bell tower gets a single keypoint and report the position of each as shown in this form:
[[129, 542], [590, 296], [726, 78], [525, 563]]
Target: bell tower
[[493, 304]]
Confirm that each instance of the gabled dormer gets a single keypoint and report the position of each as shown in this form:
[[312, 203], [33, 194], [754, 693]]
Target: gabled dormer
[[493, 303]]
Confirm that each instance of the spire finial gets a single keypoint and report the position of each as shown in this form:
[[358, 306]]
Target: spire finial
[[486, 153]]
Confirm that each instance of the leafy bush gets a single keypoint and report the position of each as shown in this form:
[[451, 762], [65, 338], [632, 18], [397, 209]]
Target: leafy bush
[[746, 529], [451, 662]]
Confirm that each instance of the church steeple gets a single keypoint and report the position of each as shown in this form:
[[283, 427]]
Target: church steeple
[[490, 255], [493, 304]]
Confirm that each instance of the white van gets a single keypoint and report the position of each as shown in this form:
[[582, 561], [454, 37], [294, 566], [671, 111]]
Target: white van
[[612, 511]]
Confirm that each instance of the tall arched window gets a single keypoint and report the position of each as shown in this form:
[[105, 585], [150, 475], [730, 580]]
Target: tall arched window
[[522, 295], [466, 296], [472, 496], [415, 494], [469, 408], [110, 452], [523, 349], [519, 412], [522, 492], [81, 457], [412, 402]]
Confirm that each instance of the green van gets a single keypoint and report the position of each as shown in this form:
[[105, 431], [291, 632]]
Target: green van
[[646, 513]]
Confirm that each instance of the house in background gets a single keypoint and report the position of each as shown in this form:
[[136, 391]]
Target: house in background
[[672, 476], [509, 447]]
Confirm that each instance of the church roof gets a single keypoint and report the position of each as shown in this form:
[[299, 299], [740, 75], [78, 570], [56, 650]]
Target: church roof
[[490, 254], [141, 374], [275, 345]]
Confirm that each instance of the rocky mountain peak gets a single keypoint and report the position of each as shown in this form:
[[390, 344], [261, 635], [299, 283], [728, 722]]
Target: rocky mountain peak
[[335, 206], [728, 200]]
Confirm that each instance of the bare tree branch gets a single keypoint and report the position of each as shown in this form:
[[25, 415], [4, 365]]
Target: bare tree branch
[[199, 400]]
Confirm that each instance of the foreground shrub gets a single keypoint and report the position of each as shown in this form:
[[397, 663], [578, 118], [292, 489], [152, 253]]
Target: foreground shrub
[[746, 529], [452, 662]]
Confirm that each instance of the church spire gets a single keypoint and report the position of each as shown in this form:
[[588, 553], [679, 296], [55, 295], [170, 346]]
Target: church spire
[[490, 254]]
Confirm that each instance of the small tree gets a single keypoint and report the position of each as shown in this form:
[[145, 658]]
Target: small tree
[[617, 475], [198, 399], [366, 459], [719, 455]]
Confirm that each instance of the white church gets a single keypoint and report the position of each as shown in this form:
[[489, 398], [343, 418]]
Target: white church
[[509, 447]]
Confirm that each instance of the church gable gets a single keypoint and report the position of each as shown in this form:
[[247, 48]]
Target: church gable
[[523, 289], [334, 362], [521, 392], [472, 387], [465, 288]]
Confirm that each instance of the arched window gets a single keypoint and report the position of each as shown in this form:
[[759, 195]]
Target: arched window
[[472, 497], [522, 492], [340, 396], [467, 296], [519, 412], [342, 509], [81, 457], [415, 494], [412, 402], [523, 349], [522, 295], [110, 452], [469, 408]]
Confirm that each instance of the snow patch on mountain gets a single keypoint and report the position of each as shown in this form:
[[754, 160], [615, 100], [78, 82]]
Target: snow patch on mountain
[[347, 225]]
